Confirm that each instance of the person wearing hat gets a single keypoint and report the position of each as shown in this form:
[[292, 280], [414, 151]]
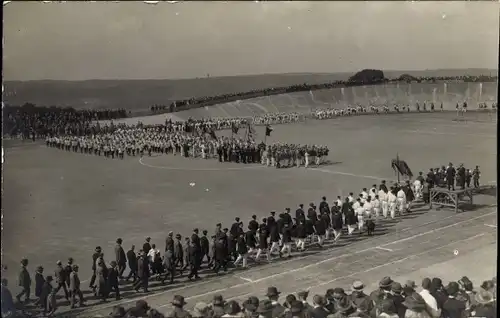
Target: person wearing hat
[[359, 298], [132, 264], [24, 281], [386, 309], [319, 310], [233, 310], [97, 253], [120, 257], [178, 311], [302, 296], [201, 310], [288, 300], [273, 295], [101, 272], [343, 307], [39, 281], [250, 307], [142, 272], [113, 279], [67, 270], [147, 245], [466, 292], [218, 304], [74, 287], [384, 290], [431, 302], [205, 247], [453, 307], [61, 277], [415, 307], [265, 309], [438, 291], [484, 305], [140, 309], [46, 292], [178, 251]]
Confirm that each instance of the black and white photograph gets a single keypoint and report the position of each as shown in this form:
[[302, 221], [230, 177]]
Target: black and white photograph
[[249, 159]]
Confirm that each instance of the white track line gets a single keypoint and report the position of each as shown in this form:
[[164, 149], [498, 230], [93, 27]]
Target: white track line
[[491, 225], [430, 132], [349, 174], [384, 249]]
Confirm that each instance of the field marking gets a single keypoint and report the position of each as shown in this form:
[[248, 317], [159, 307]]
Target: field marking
[[349, 174], [246, 279], [274, 275], [197, 169], [438, 229], [491, 225], [384, 249], [395, 262], [447, 133]]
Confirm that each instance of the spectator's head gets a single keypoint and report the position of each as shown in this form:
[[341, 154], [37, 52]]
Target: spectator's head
[[488, 285], [153, 313], [426, 283], [251, 304], [273, 293], [484, 297], [385, 283], [289, 299], [232, 308], [396, 288], [319, 301], [178, 301], [415, 302], [265, 307], [357, 286], [118, 312], [296, 307], [303, 295], [218, 300], [452, 288], [466, 284], [437, 284]]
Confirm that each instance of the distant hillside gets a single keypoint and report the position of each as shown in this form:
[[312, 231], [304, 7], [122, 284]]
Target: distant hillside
[[141, 94]]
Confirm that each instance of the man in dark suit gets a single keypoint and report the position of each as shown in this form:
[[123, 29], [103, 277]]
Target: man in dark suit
[[319, 310], [450, 177], [147, 245], [453, 307], [277, 308], [383, 186], [142, 272], [324, 205], [121, 259], [132, 263]]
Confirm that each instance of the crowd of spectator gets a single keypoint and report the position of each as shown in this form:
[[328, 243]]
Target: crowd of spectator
[[32, 121]]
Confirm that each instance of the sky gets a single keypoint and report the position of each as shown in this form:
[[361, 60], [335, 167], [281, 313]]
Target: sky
[[110, 40]]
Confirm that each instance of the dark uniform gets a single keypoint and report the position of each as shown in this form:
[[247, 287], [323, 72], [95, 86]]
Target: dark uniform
[[121, 259], [132, 264]]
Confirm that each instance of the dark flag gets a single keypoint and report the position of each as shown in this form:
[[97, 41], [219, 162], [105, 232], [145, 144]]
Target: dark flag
[[234, 128], [212, 134], [269, 129], [402, 167]]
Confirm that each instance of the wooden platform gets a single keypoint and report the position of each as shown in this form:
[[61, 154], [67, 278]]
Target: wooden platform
[[459, 199]]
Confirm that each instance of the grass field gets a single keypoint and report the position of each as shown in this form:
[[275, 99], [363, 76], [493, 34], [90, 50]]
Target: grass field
[[58, 204]]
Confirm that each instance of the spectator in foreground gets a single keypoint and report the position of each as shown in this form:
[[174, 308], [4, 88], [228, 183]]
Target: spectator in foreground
[[453, 308], [415, 307], [386, 309], [485, 305], [431, 302], [201, 310]]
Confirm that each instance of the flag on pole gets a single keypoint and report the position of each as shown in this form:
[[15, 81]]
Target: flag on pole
[[269, 129], [402, 167]]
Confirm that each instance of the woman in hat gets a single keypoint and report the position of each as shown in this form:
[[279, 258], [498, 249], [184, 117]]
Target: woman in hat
[[415, 307], [233, 310], [485, 305]]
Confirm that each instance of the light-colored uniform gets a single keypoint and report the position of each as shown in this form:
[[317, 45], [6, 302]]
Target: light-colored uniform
[[391, 198], [376, 207], [401, 201], [418, 189], [384, 200]]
